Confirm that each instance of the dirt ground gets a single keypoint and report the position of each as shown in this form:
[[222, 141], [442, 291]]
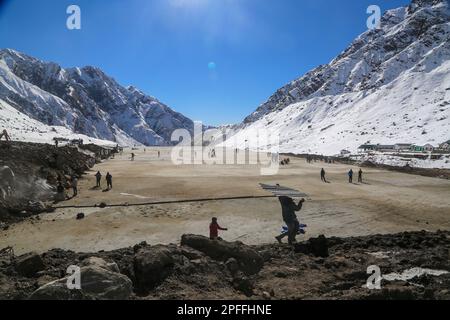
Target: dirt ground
[[387, 202]]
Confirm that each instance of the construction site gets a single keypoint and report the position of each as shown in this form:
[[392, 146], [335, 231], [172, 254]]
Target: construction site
[[154, 208]]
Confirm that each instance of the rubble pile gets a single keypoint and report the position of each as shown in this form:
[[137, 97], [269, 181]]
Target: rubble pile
[[36, 168], [200, 268]]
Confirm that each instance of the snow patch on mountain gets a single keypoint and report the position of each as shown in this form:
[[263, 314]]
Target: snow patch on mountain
[[23, 128]]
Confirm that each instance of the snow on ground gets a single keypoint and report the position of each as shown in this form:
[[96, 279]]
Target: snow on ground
[[398, 161], [23, 128]]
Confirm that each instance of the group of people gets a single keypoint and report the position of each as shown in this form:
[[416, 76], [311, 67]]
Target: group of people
[[133, 155], [360, 176], [350, 176], [73, 184], [285, 162], [288, 208], [61, 190], [108, 178], [311, 159]]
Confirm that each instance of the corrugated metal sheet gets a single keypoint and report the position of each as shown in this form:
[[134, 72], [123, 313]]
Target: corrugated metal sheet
[[281, 191]]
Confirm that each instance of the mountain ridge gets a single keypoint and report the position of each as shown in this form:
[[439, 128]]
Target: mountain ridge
[[350, 101], [309, 85], [86, 100]]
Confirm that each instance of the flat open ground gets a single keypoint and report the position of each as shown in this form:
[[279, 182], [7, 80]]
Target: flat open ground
[[387, 202]]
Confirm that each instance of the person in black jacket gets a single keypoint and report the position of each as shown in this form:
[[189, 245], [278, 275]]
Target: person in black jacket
[[109, 181], [322, 175], [289, 208], [98, 177]]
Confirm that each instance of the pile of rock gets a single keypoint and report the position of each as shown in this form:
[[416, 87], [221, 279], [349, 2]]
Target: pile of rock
[[36, 168], [201, 268], [134, 272]]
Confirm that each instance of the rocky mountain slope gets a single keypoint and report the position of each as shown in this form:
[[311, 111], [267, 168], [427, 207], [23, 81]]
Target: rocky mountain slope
[[390, 85], [36, 168], [86, 101]]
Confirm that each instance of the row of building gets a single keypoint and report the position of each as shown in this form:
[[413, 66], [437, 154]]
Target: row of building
[[405, 147]]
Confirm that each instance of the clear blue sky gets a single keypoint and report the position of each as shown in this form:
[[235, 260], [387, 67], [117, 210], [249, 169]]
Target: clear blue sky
[[213, 60]]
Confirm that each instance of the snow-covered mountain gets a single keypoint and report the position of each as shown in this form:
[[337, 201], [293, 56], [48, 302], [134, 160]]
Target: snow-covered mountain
[[85, 101], [391, 85], [23, 128]]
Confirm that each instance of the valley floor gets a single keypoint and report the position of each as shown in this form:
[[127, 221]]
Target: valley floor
[[387, 202]]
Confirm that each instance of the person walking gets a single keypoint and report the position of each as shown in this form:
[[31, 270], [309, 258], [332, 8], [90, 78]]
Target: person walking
[[360, 176], [289, 208], [98, 177], [74, 183], [109, 181], [350, 176], [322, 175]]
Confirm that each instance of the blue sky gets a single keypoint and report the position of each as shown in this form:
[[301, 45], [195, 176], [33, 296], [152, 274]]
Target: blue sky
[[213, 60]]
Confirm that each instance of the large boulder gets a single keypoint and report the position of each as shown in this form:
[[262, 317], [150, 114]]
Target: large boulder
[[57, 290], [249, 260], [151, 266], [99, 281], [29, 264], [315, 246], [99, 262], [191, 254]]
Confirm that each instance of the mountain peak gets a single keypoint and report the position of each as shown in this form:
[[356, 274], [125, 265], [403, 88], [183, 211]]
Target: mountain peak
[[86, 101], [389, 86], [366, 63], [427, 3], [420, 4]]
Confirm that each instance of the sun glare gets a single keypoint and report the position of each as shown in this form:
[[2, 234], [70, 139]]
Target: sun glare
[[187, 3]]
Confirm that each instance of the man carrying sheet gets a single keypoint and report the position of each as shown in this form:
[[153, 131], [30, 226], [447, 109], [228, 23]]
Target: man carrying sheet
[[289, 208]]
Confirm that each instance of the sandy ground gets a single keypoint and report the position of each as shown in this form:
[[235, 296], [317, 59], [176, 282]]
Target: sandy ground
[[387, 202]]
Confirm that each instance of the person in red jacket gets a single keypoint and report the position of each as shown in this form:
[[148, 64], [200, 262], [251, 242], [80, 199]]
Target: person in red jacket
[[214, 230]]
